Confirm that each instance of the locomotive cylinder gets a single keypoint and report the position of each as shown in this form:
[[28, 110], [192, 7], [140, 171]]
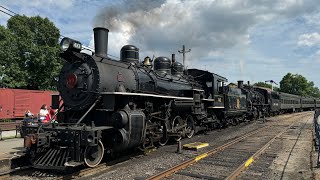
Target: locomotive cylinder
[[120, 119], [101, 41]]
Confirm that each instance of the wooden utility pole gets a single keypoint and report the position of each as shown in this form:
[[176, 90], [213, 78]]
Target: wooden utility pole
[[271, 82], [184, 51]]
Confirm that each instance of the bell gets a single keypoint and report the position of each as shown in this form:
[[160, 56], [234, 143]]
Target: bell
[[146, 61]]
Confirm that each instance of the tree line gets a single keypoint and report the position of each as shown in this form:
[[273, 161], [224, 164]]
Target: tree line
[[294, 84]]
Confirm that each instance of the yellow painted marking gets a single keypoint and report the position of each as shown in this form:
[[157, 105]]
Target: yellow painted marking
[[195, 145], [201, 156], [248, 162], [202, 145]]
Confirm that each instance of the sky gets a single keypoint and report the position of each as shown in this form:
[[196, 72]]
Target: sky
[[250, 40]]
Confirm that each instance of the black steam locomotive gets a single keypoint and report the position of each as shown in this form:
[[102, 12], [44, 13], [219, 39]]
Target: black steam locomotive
[[109, 106]]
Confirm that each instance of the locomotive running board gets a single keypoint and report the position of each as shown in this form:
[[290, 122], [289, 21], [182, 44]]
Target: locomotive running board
[[147, 95], [153, 95], [53, 159]]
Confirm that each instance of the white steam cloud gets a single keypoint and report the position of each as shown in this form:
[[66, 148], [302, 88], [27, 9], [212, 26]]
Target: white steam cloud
[[205, 26]]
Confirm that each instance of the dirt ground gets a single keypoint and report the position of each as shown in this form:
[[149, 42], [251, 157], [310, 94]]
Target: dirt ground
[[293, 159], [293, 155]]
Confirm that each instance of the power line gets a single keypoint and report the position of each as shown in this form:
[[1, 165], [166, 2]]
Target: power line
[[8, 10], [61, 36], [6, 13]]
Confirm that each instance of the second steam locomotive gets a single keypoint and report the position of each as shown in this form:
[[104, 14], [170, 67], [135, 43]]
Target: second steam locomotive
[[114, 105]]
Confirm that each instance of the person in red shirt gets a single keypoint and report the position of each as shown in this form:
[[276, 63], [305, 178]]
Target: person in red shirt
[[51, 113]]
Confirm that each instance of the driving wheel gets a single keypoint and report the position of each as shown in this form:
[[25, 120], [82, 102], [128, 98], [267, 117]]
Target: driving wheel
[[190, 130], [93, 155]]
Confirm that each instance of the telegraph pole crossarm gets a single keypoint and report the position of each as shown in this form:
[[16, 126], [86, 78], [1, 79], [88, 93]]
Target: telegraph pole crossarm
[[271, 82], [184, 51]]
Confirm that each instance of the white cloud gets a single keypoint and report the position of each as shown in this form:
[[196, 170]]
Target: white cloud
[[311, 39], [204, 26], [221, 33]]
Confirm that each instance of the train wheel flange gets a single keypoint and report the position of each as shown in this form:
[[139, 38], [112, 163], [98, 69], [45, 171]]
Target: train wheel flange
[[148, 142], [190, 130], [164, 139], [93, 155], [177, 121]]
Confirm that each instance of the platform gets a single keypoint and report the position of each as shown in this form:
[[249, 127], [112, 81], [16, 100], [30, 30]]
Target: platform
[[11, 146], [10, 150], [9, 134], [195, 145]]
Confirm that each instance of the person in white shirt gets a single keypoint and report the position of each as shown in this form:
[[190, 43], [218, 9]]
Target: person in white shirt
[[43, 112]]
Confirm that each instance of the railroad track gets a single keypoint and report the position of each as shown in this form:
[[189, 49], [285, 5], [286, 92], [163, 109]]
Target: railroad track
[[80, 172], [230, 159], [113, 165]]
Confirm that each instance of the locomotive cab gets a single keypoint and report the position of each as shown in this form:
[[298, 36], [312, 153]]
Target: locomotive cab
[[211, 83]]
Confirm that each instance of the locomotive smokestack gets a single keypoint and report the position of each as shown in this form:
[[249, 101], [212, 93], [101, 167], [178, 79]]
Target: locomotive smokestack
[[248, 83], [173, 58], [240, 84], [101, 41]]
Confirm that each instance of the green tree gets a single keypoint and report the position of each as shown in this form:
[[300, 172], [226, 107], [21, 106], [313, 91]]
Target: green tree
[[275, 88], [262, 84], [29, 53], [299, 85], [266, 85]]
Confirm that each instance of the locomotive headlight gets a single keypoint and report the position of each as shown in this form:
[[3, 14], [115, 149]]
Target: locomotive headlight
[[68, 44], [89, 138], [65, 43]]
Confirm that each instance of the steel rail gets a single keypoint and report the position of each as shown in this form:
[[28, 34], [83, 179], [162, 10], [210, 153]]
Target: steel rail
[[256, 155], [87, 172], [244, 165], [187, 163], [104, 166]]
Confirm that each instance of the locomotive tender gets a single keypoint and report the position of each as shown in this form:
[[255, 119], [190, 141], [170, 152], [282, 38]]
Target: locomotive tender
[[114, 105]]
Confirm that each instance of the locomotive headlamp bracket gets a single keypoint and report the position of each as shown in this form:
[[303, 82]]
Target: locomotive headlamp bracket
[[68, 44]]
